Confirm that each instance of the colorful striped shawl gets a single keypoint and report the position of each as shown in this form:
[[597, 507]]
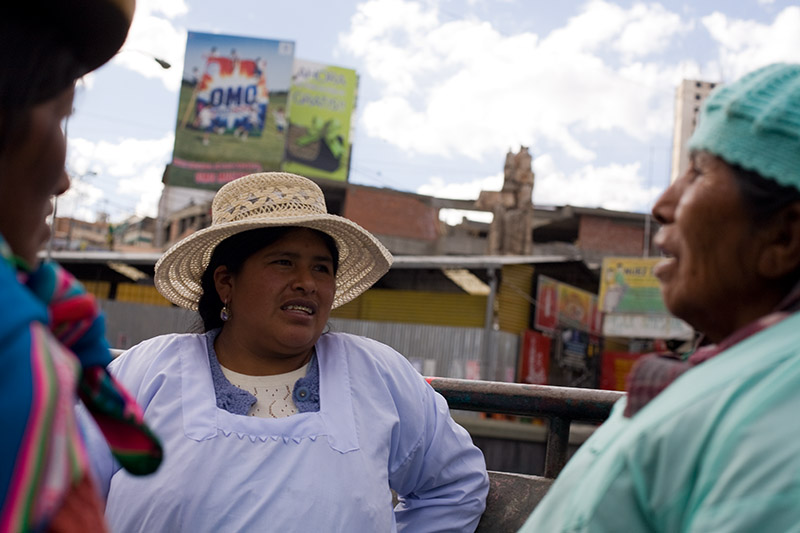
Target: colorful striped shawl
[[52, 347]]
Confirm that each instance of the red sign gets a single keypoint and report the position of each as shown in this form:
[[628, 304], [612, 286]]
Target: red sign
[[534, 358], [597, 319], [546, 317], [615, 369]]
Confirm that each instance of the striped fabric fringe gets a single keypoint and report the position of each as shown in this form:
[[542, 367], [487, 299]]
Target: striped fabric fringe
[[52, 347], [76, 321]]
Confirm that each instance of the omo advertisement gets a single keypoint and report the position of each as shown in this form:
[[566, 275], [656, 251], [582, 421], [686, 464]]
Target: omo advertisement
[[321, 104], [232, 109], [630, 297]]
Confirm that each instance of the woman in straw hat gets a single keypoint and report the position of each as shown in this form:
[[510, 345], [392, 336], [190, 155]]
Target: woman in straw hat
[[51, 334], [269, 423], [709, 441]]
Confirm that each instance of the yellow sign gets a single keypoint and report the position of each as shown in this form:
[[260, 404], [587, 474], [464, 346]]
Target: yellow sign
[[629, 286], [575, 306], [631, 301]]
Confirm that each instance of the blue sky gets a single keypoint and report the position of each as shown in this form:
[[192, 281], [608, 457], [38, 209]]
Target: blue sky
[[447, 87]]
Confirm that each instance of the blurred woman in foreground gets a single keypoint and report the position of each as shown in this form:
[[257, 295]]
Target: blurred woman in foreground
[[52, 343], [709, 441]]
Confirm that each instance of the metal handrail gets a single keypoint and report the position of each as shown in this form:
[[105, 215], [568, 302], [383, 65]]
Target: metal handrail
[[560, 405]]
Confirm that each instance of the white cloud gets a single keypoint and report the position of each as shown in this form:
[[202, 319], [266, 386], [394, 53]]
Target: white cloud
[[81, 201], [375, 25], [617, 187], [464, 89], [454, 217], [596, 24], [169, 8], [86, 82], [154, 34], [745, 45], [438, 188], [649, 29], [129, 172]]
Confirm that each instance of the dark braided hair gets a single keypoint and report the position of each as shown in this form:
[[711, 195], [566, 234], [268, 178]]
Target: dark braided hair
[[763, 197]]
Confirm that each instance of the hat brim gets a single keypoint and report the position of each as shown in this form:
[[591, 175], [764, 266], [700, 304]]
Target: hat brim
[[94, 30], [100, 27], [363, 260]]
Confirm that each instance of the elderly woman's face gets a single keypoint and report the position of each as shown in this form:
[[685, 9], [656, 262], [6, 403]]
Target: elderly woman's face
[[281, 299], [709, 278], [31, 173]]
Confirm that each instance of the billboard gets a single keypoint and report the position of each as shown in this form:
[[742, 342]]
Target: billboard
[[321, 104], [559, 304], [630, 297], [534, 360], [615, 369], [231, 112], [546, 317], [575, 307]]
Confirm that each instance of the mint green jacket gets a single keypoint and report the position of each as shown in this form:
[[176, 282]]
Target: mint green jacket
[[717, 451]]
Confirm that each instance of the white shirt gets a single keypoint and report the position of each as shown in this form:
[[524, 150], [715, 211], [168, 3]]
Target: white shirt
[[273, 393]]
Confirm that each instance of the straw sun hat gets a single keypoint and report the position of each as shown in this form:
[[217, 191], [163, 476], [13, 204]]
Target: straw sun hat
[[271, 199]]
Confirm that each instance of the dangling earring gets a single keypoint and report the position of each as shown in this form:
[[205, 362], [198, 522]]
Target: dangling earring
[[224, 313]]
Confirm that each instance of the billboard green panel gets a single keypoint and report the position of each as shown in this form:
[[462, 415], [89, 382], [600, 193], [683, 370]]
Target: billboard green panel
[[321, 104]]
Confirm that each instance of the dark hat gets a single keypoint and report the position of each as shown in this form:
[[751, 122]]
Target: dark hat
[[94, 30], [45, 45]]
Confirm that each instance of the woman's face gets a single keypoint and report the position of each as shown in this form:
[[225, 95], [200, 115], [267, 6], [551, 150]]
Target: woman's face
[[710, 276], [31, 173], [281, 298]]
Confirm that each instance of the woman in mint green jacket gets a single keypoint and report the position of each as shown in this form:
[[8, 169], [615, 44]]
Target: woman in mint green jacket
[[709, 441]]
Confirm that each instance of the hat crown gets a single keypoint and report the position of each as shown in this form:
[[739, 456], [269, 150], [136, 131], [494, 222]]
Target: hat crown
[[769, 97], [754, 123], [269, 200], [267, 196]]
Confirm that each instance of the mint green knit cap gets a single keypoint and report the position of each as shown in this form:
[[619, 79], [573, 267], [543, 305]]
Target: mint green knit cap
[[755, 123]]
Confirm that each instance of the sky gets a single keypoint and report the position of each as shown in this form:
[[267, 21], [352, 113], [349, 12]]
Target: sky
[[447, 88]]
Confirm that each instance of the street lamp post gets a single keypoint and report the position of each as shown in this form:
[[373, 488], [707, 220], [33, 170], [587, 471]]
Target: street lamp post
[[161, 62], [55, 209]]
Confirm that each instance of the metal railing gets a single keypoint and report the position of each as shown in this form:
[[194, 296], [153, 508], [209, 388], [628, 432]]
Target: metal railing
[[560, 405]]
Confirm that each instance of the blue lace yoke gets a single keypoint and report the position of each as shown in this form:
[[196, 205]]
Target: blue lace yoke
[[237, 401]]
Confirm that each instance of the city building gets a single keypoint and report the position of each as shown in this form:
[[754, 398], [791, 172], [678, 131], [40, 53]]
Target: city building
[[74, 234], [460, 300], [689, 96], [135, 232]]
